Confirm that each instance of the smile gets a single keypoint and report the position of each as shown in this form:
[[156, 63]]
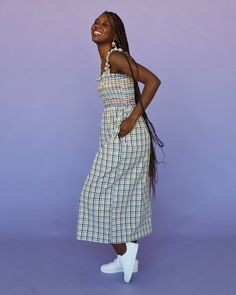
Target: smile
[[97, 33]]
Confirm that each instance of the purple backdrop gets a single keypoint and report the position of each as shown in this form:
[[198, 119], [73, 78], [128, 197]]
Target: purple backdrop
[[50, 111]]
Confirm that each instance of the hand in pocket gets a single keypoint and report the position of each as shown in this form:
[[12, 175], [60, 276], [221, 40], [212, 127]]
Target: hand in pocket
[[126, 127]]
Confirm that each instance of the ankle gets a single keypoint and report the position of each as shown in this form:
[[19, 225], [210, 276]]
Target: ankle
[[120, 248]]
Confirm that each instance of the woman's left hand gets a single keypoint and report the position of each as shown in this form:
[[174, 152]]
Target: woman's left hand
[[126, 126]]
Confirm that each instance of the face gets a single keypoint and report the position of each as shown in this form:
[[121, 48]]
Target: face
[[101, 30]]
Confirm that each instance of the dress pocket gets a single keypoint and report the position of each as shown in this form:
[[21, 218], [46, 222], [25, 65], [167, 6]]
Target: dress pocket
[[120, 115], [124, 139]]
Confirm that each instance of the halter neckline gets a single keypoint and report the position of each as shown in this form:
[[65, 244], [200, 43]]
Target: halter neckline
[[107, 65]]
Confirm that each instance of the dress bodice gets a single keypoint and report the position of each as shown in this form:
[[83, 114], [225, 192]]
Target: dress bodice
[[116, 89]]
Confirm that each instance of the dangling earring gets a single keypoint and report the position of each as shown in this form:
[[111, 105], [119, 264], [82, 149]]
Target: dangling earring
[[113, 44]]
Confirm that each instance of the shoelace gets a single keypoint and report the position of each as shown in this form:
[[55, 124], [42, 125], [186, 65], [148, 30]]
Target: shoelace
[[117, 261]]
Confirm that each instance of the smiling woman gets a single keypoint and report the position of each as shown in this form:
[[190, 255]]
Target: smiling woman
[[114, 205]]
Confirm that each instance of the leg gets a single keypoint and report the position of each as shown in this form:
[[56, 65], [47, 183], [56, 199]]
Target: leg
[[121, 248]]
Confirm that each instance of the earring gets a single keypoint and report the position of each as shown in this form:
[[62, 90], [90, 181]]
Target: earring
[[114, 44]]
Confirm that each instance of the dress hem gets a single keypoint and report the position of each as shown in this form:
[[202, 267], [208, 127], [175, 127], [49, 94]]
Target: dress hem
[[113, 242]]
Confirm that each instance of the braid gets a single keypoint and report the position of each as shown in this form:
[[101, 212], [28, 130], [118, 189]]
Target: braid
[[122, 42]]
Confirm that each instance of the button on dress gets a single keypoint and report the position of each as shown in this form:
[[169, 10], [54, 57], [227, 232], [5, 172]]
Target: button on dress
[[114, 204]]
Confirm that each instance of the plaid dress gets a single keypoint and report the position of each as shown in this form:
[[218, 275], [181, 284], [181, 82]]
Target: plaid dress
[[114, 204]]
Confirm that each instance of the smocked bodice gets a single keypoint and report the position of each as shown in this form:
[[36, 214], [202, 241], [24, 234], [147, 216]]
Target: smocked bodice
[[115, 89]]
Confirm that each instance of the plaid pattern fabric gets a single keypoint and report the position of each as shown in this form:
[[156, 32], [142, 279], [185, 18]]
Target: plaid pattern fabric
[[114, 205]]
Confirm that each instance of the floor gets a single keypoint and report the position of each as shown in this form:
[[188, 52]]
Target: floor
[[169, 265]]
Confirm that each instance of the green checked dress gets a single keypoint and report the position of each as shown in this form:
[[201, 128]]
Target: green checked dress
[[114, 204]]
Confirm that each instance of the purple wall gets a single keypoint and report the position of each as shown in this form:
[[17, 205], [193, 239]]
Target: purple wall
[[50, 111]]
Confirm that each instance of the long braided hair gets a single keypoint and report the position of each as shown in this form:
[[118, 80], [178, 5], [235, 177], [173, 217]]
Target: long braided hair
[[122, 42]]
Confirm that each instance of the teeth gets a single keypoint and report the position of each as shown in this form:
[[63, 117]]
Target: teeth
[[97, 33]]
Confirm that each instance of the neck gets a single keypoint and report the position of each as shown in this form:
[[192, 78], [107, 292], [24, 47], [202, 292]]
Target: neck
[[103, 50]]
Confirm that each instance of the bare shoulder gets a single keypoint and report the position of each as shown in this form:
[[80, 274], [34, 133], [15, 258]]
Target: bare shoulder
[[121, 62], [115, 58]]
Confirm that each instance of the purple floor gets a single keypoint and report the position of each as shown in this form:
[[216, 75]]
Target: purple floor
[[168, 265]]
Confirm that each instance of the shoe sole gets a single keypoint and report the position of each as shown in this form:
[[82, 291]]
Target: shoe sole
[[120, 270]]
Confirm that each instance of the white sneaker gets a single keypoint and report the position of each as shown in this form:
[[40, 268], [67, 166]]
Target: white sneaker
[[115, 266], [127, 260]]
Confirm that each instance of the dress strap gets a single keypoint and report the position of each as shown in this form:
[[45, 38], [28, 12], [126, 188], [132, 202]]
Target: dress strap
[[107, 65]]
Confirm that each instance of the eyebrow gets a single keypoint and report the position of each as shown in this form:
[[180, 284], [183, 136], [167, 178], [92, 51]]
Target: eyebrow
[[106, 20]]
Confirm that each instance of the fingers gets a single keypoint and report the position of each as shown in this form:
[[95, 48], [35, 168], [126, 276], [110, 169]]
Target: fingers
[[122, 135]]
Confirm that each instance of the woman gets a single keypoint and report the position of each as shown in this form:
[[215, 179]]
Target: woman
[[114, 205]]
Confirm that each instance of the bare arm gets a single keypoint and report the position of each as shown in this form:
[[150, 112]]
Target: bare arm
[[119, 63]]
